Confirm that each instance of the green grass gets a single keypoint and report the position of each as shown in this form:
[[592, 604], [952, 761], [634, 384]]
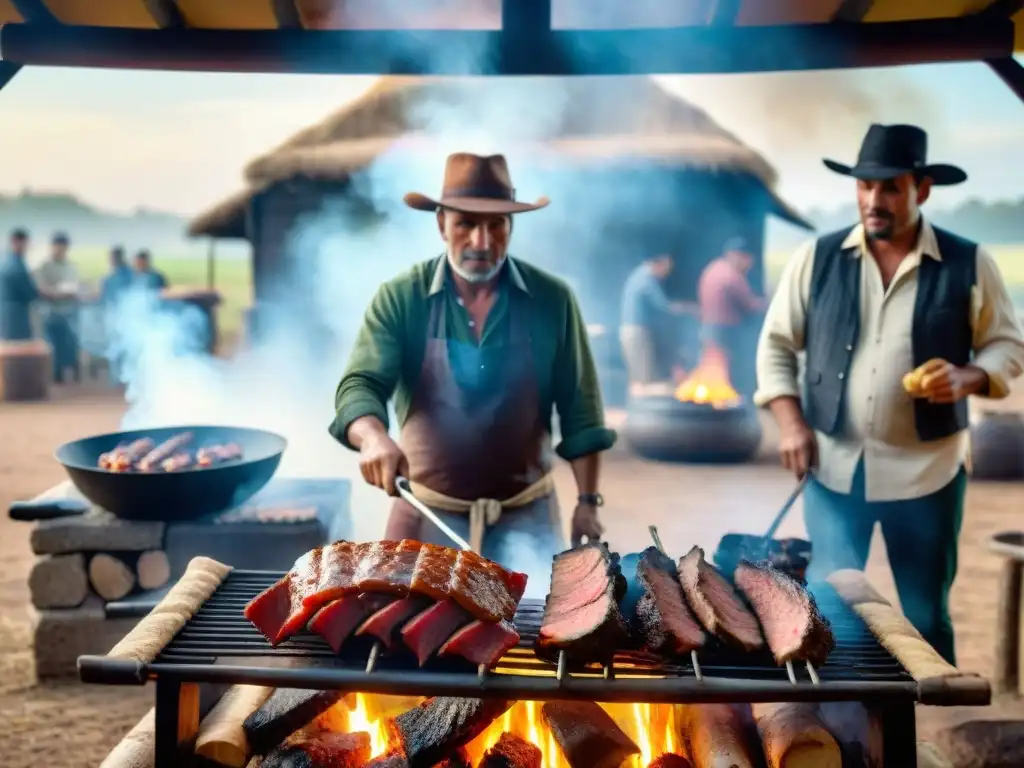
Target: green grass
[[232, 279]]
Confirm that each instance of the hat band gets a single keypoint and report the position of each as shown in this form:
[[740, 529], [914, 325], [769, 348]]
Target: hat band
[[491, 193]]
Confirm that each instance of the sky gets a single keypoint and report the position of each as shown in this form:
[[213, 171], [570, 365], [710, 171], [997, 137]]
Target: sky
[[178, 141]]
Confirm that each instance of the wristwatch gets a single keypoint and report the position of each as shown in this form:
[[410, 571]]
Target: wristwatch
[[593, 499]]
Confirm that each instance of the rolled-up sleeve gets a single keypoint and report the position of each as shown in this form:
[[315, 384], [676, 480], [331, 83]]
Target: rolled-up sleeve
[[577, 393], [998, 340], [374, 366], [782, 335]]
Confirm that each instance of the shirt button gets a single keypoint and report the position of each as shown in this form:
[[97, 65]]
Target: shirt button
[[472, 324], [842, 375], [849, 347]]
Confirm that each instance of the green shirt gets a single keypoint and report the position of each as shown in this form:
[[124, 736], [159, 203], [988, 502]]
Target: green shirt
[[388, 354]]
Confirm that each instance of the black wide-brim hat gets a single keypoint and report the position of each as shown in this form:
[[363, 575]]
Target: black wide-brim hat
[[889, 151]]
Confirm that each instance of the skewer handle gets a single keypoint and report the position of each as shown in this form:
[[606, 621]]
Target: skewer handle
[[813, 673], [562, 661], [371, 661], [657, 539], [791, 672]]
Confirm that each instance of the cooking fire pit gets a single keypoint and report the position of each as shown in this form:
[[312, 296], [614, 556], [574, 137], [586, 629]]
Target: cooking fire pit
[[704, 421], [524, 700]]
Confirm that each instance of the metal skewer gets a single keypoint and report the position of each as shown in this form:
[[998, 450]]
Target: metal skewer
[[813, 673], [653, 529], [562, 661], [791, 672], [371, 662]]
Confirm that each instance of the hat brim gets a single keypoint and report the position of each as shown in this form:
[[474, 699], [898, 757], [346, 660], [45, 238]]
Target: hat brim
[[484, 205], [941, 174]]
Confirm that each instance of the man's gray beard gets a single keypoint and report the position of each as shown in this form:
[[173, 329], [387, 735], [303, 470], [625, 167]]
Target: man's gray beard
[[476, 277]]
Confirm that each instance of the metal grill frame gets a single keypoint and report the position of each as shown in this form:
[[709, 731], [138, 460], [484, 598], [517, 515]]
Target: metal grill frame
[[219, 646]]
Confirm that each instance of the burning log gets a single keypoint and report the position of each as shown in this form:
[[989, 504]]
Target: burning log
[[286, 711], [717, 735], [793, 736], [321, 749], [673, 761], [221, 737], [859, 732], [110, 577], [510, 751], [432, 731], [164, 451], [587, 735], [153, 569]]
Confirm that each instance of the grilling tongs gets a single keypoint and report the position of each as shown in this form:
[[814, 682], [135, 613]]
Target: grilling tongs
[[405, 491]]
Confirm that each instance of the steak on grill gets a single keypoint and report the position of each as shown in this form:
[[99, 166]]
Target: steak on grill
[[441, 724], [581, 613], [280, 610], [482, 642], [388, 566], [716, 604], [587, 735], [793, 625], [663, 618], [428, 631], [510, 751], [387, 623], [336, 621]]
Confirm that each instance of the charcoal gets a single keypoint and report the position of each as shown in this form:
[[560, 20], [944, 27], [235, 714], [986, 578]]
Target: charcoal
[[394, 759], [587, 735], [286, 711], [457, 759], [581, 613], [510, 751], [789, 616], [670, 760], [440, 725], [322, 750]]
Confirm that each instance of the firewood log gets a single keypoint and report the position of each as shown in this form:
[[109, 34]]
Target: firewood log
[[110, 577], [153, 569], [717, 735], [137, 748], [793, 736], [221, 737]]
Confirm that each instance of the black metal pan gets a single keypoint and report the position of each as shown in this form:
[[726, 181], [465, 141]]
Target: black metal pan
[[182, 495]]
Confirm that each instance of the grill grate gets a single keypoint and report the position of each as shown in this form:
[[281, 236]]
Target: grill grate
[[220, 645]]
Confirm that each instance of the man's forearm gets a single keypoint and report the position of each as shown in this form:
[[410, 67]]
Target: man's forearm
[[362, 428], [786, 410], [587, 471]]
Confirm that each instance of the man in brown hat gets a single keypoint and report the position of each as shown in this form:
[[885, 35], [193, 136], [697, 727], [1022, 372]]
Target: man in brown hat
[[478, 349], [867, 305]]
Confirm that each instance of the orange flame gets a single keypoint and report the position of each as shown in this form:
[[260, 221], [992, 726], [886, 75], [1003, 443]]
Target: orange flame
[[650, 726], [709, 382]]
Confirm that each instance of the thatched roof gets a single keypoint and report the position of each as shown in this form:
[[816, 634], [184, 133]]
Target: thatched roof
[[599, 119]]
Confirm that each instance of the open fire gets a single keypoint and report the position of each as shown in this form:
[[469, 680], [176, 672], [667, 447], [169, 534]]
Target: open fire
[[708, 383], [650, 726]]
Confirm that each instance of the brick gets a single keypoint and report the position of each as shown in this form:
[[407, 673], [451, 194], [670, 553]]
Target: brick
[[62, 635], [95, 531]]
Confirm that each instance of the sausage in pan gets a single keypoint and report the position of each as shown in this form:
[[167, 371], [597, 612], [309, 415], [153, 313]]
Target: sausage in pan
[[217, 454], [106, 459], [165, 450], [180, 460], [125, 460]]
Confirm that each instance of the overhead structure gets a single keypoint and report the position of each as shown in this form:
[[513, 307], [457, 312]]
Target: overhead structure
[[510, 37]]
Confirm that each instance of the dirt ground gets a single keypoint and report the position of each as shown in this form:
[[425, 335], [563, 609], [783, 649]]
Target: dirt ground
[[70, 724]]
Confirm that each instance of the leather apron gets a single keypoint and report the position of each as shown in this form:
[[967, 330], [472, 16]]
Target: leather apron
[[474, 430]]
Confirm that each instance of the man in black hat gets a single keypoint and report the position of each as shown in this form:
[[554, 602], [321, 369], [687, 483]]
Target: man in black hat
[[17, 290], [478, 349], [867, 305]]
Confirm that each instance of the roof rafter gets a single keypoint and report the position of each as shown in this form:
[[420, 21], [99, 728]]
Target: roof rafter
[[34, 12], [723, 13], [1005, 9], [166, 14], [852, 10], [287, 14]]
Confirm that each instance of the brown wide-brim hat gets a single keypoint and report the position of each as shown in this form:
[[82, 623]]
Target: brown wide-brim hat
[[475, 184]]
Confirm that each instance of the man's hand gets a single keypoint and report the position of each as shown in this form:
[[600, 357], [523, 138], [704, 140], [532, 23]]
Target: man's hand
[[685, 308], [798, 447], [950, 383], [380, 458], [585, 523]]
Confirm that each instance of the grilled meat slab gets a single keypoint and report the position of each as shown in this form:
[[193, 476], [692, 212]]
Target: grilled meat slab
[[432, 731], [793, 625], [482, 642], [587, 735], [581, 613], [663, 618], [336, 621], [386, 624], [716, 604], [428, 631]]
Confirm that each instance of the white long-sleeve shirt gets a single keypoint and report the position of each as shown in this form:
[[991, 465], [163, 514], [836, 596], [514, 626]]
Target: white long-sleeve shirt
[[879, 417]]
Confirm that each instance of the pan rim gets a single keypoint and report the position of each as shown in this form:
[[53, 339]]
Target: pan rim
[[145, 431]]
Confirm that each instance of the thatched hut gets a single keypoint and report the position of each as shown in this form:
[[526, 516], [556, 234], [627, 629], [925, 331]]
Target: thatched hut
[[633, 170]]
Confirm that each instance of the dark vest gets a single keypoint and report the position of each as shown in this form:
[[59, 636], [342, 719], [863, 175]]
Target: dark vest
[[941, 328]]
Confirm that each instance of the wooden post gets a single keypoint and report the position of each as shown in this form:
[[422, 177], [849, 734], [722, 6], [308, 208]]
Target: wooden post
[[211, 263], [1006, 676]]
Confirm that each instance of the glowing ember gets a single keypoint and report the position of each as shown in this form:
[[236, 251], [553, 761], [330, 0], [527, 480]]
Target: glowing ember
[[649, 725], [709, 383]]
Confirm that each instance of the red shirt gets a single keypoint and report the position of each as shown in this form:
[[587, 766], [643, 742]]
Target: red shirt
[[724, 294]]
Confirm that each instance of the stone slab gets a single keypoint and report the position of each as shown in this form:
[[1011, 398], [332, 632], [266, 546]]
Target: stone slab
[[59, 581], [61, 636], [95, 531]]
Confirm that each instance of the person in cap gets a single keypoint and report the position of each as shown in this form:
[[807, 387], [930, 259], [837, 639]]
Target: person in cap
[[867, 305], [478, 349], [18, 290], [58, 278], [645, 307], [727, 299], [145, 275]]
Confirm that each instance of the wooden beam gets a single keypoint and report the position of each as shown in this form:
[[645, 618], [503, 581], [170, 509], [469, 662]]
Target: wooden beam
[[852, 10], [1011, 72], [526, 17], [7, 72], [1005, 9], [287, 14], [34, 12], [685, 50], [723, 13], [166, 14]]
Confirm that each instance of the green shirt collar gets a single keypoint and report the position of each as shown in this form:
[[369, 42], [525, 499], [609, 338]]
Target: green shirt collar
[[440, 275]]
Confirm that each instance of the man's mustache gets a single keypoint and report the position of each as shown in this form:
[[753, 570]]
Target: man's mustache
[[476, 255], [878, 213]]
